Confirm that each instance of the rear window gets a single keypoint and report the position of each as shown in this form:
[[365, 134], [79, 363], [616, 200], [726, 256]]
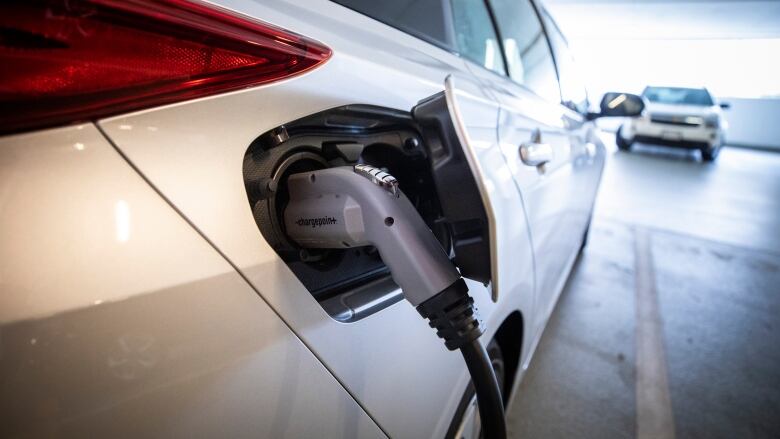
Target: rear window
[[425, 19], [678, 96]]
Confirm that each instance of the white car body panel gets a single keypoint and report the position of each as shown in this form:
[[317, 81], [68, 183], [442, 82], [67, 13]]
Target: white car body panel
[[391, 363], [103, 338], [206, 138]]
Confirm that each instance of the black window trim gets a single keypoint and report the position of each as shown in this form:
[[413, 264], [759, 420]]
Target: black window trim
[[454, 50], [449, 48], [550, 48], [543, 11], [500, 38], [506, 63]]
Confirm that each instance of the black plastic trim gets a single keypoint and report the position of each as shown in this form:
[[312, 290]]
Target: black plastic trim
[[456, 187]]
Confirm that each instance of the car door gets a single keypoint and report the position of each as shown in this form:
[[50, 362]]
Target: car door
[[537, 136]]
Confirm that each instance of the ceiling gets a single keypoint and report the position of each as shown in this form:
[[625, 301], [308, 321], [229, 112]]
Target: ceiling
[[667, 19]]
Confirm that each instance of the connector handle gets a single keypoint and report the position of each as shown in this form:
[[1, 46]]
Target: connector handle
[[341, 208]]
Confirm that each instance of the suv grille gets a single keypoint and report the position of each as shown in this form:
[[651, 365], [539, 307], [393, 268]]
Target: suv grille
[[673, 120]]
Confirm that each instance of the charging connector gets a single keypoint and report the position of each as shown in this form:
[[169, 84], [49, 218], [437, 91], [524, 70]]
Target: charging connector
[[348, 206], [354, 206]]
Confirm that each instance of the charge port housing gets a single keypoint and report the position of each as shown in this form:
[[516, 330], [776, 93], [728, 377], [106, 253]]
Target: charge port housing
[[353, 283]]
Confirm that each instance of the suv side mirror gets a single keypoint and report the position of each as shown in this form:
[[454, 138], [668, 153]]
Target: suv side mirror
[[619, 105], [725, 105]]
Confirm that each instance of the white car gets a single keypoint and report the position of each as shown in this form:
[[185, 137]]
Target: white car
[[149, 285], [679, 117]]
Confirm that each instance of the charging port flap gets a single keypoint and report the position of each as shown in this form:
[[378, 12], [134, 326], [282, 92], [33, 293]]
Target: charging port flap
[[452, 122]]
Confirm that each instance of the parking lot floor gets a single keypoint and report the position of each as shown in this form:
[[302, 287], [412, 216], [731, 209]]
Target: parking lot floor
[[669, 325]]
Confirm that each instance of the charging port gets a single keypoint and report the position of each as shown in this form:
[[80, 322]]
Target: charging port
[[349, 283]]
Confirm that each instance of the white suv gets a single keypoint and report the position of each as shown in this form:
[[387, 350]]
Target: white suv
[[680, 117]]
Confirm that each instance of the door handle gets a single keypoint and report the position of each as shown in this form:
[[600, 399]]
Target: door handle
[[535, 154]]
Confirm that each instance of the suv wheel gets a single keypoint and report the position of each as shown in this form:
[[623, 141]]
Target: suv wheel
[[622, 144], [466, 423], [710, 154]]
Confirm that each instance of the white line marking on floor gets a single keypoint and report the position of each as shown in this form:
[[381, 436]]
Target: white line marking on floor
[[654, 418]]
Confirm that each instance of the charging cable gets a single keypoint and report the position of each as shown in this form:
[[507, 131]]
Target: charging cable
[[354, 206]]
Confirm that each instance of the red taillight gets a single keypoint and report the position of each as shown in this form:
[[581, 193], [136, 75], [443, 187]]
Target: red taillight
[[72, 60]]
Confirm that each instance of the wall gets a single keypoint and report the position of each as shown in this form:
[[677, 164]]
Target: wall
[[753, 122]]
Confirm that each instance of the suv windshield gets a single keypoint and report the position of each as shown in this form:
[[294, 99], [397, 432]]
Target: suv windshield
[[678, 96]]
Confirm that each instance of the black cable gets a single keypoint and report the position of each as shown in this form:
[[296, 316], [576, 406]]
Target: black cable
[[491, 406], [453, 315]]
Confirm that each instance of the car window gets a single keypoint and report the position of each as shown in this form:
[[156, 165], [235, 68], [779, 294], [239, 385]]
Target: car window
[[527, 52], [426, 19], [678, 96], [573, 92], [475, 36]]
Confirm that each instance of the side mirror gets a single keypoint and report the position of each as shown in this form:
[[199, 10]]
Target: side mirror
[[725, 105], [619, 105]]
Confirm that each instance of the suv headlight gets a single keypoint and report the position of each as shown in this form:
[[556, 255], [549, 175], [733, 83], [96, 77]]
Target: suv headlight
[[712, 121]]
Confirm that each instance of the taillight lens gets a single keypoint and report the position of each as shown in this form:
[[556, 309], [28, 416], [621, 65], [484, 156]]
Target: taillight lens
[[73, 60]]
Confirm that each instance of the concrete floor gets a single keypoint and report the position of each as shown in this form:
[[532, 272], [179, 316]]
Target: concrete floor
[[699, 244]]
